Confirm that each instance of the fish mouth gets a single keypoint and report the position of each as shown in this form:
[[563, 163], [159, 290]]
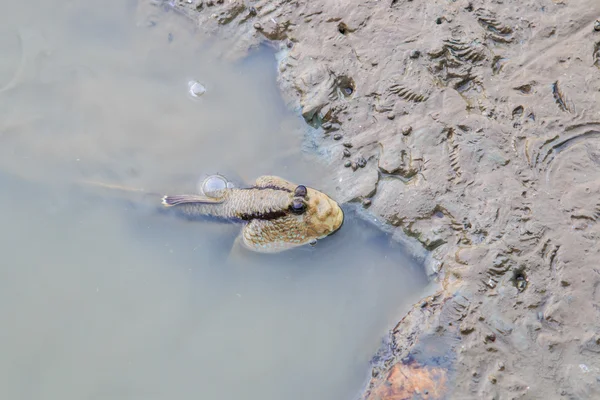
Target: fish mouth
[[341, 223], [343, 218]]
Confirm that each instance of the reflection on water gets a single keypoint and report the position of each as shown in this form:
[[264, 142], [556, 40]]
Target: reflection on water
[[101, 296]]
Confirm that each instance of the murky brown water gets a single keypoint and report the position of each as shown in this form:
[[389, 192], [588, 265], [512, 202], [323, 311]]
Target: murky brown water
[[100, 298]]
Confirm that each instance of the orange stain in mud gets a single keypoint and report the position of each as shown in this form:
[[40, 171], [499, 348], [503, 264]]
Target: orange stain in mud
[[405, 381]]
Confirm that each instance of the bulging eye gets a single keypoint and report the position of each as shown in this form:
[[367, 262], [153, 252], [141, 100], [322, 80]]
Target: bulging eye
[[300, 191], [298, 206]]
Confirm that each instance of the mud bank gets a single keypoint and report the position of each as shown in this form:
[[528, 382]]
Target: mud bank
[[474, 127]]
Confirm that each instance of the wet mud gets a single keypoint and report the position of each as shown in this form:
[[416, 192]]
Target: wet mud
[[474, 127]]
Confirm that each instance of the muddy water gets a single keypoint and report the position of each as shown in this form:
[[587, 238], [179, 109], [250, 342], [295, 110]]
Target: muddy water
[[102, 297]]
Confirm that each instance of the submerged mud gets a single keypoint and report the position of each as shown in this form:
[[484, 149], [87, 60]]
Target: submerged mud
[[474, 127]]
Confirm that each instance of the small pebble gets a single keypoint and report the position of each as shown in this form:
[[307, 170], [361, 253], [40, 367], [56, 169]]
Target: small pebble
[[326, 125], [337, 136], [500, 366], [597, 25], [361, 162], [391, 115], [415, 54], [354, 166], [347, 153], [348, 145], [366, 202], [466, 330], [257, 26], [252, 11], [347, 164], [493, 379], [407, 130], [490, 337]]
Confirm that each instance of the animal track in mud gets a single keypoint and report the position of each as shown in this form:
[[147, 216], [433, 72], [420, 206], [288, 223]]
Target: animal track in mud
[[498, 64], [500, 266], [407, 93], [548, 251], [453, 63], [453, 154], [550, 148], [496, 31], [560, 98], [398, 88], [458, 52], [548, 254]]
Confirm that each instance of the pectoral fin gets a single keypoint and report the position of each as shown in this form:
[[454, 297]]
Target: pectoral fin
[[264, 236], [170, 201]]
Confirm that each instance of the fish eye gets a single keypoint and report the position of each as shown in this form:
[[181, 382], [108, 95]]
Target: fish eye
[[298, 206], [300, 191]]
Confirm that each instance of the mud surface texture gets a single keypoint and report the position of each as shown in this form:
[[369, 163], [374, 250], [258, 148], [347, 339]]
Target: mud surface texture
[[474, 127]]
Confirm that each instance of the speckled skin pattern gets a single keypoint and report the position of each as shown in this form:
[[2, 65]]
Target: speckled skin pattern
[[271, 225]]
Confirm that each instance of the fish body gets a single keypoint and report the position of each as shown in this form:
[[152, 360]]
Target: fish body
[[234, 204], [277, 214]]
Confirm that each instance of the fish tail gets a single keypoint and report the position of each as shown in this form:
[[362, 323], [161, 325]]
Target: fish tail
[[197, 206], [170, 201]]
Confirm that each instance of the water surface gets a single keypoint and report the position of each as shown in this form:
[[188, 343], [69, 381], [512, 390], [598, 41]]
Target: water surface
[[101, 296]]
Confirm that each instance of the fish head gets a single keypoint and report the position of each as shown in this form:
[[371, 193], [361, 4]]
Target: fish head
[[322, 215], [308, 215]]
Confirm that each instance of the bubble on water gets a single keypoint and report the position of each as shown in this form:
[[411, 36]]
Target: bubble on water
[[196, 89], [212, 184]]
